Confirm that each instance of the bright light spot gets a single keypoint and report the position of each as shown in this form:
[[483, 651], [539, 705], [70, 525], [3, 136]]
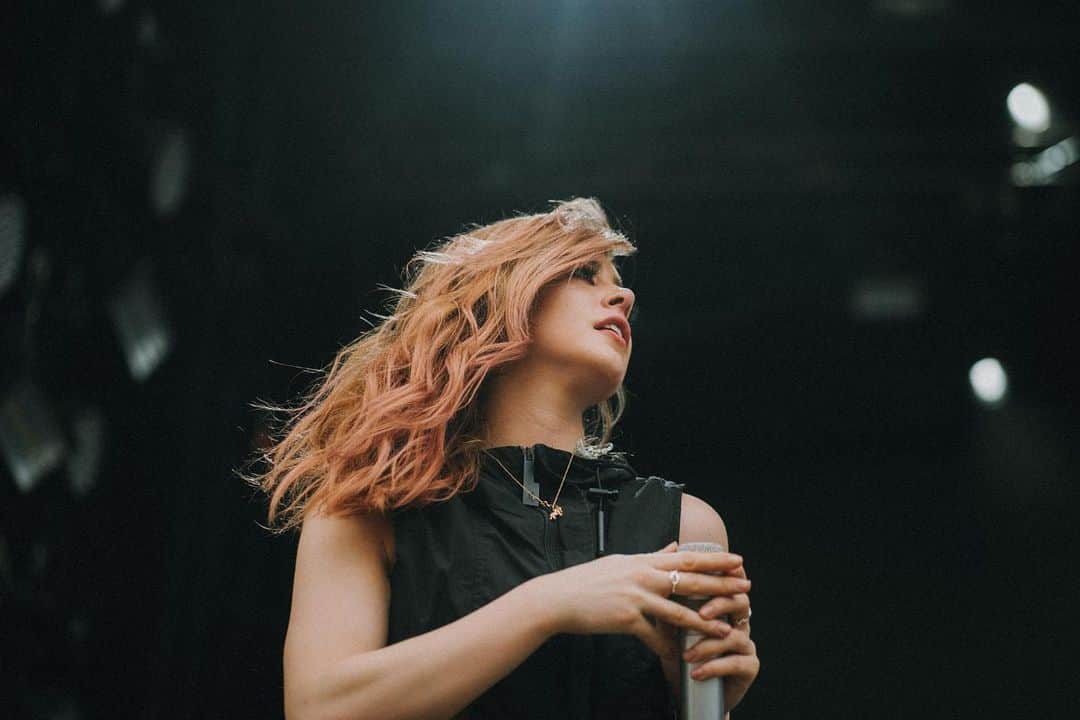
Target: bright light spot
[[1042, 169], [32, 442], [140, 320], [988, 381], [1028, 107]]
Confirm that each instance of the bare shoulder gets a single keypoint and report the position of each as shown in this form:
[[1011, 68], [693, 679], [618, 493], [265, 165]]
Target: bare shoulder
[[701, 522], [340, 597], [368, 533]]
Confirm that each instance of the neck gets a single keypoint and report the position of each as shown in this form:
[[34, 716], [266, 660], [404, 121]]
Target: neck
[[539, 410]]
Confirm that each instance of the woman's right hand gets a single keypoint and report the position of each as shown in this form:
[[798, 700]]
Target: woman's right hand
[[623, 594]]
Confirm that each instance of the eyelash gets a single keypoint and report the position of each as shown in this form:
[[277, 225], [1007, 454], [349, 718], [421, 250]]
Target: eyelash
[[588, 272]]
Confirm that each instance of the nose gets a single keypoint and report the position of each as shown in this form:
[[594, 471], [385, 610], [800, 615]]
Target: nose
[[622, 297]]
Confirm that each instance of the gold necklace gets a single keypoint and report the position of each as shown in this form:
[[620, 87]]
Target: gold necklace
[[556, 509]]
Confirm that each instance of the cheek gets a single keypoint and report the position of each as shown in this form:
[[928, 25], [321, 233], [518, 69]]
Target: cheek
[[555, 320], [557, 334]]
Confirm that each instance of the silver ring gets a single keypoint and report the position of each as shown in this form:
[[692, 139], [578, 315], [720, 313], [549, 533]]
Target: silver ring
[[674, 575]]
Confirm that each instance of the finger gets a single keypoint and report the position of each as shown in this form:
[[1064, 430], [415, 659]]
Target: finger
[[691, 561], [681, 616], [670, 547], [739, 571], [737, 605], [693, 583], [710, 647], [742, 665]]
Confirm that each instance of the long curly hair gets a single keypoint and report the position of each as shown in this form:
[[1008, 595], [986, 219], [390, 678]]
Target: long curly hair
[[395, 419]]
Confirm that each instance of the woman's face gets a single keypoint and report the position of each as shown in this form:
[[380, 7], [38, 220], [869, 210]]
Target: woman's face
[[569, 332]]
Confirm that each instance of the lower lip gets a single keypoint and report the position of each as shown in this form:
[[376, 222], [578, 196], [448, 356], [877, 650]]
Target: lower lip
[[614, 335]]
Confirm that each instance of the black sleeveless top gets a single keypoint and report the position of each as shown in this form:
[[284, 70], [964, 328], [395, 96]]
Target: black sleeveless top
[[455, 556]]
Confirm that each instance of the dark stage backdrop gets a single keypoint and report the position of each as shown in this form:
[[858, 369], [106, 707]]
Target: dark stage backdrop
[[837, 218]]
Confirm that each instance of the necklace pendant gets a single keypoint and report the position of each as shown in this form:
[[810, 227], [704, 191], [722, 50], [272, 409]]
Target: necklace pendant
[[555, 512]]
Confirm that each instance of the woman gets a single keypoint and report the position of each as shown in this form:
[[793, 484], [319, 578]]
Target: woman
[[470, 546]]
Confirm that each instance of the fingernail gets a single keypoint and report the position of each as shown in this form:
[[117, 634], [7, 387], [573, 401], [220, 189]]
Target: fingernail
[[722, 627], [688, 655]]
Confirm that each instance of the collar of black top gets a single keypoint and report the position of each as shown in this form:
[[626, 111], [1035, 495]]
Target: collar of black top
[[607, 470]]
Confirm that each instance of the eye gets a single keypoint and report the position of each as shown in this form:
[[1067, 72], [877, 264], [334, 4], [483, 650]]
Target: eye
[[589, 272]]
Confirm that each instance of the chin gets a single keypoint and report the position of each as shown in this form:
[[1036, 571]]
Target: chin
[[607, 382], [598, 371]]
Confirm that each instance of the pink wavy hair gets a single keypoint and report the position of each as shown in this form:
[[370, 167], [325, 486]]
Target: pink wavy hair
[[395, 419]]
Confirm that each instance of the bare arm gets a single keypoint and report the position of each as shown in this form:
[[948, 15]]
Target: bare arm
[[337, 663]]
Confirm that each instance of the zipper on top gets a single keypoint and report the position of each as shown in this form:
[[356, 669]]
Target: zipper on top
[[528, 478]]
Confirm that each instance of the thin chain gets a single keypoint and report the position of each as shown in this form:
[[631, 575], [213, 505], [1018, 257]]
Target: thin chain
[[556, 510]]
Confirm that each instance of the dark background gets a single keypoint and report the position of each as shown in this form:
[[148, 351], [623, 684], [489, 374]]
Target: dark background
[[910, 547]]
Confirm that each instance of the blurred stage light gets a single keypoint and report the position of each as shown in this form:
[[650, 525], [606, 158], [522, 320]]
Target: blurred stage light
[[913, 9], [988, 381], [88, 431], [139, 318], [12, 238], [170, 168], [146, 30], [108, 7], [1028, 108], [1044, 167], [887, 298], [30, 437]]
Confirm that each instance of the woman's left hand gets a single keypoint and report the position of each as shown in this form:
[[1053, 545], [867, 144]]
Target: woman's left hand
[[733, 657]]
